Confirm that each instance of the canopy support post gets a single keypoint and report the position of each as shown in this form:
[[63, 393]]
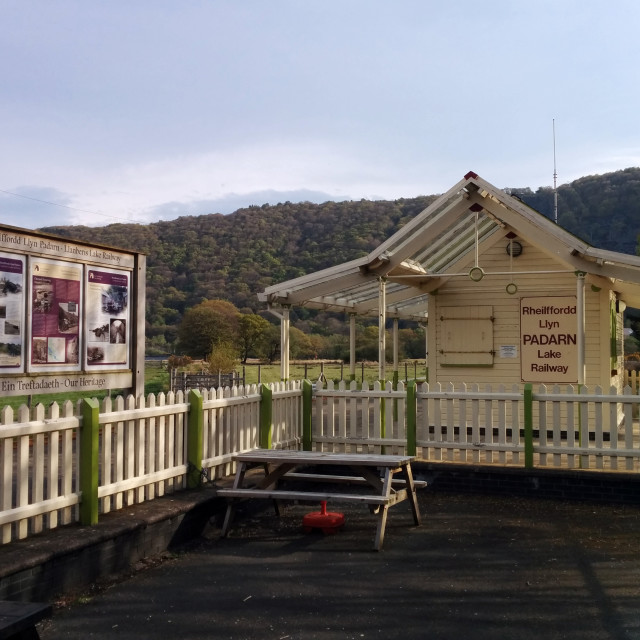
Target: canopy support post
[[284, 344], [426, 351], [396, 351], [382, 320], [284, 339], [352, 346]]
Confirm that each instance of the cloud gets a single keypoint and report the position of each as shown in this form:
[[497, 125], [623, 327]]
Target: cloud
[[233, 201], [31, 207], [222, 181]]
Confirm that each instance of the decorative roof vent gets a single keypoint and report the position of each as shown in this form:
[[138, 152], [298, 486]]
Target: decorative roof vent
[[514, 249]]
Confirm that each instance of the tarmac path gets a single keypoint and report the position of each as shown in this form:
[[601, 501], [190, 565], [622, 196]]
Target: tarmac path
[[479, 567]]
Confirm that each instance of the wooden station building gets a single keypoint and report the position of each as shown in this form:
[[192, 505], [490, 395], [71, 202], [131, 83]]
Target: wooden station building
[[507, 295]]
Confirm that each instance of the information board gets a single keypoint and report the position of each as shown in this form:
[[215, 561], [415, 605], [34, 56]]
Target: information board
[[71, 315]]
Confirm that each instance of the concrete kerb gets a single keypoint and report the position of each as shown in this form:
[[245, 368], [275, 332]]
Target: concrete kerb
[[70, 559]]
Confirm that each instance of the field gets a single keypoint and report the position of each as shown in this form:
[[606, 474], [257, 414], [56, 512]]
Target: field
[[157, 378]]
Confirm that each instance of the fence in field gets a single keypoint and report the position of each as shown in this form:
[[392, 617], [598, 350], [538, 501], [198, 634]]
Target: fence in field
[[69, 463], [632, 379], [185, 381]]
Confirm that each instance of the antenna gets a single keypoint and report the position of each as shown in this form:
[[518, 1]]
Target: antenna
[[555, 176]]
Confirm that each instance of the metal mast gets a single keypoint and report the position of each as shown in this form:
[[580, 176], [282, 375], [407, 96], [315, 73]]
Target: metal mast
[[555, 176]]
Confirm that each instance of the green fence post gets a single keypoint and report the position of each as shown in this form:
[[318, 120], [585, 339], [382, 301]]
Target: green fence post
[[195, 439], [307, 397], [528, 425], [411, 418], [266, 416], [89, 461]]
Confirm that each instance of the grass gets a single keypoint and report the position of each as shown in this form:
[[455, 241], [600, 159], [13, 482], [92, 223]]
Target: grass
[[157, 379]]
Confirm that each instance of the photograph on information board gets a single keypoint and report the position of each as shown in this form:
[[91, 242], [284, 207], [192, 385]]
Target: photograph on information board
[[107, 318], [54, 310], [11, 311]]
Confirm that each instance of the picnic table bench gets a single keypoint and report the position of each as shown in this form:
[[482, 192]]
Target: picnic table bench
[[381, 491], [18, 619]]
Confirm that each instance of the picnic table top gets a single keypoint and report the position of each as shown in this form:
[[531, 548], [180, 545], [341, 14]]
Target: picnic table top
[[279, 456], [16, 617]]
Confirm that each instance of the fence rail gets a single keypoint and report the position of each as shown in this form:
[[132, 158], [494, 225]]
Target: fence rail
[[63, 464]]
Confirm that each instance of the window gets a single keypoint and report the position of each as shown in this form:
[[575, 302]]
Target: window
[[466, 336]]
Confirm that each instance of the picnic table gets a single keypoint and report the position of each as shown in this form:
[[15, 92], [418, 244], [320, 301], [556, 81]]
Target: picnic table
[[379, 480], [18, 619]]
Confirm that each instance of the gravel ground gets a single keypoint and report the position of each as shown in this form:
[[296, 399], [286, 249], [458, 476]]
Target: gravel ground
[[478, 567]]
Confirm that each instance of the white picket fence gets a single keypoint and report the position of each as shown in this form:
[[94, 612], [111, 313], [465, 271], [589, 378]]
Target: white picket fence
[[143, 443], [232, 422], [470, 425], [572, 428], [369, 419], [38, 464], [142, 450]]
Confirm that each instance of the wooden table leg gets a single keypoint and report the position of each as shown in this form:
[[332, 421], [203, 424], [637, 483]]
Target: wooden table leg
[[228, 517], [270, 480], [411, 493], [231, 505], [384, 509]]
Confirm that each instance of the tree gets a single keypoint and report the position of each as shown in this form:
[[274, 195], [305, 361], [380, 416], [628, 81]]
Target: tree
[[208, 324], [253, 335], [367, 343], [412, 343], [272, 343], [223, 358], [300, 344]]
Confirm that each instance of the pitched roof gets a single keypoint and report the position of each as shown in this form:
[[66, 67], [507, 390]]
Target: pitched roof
[[421, 255]]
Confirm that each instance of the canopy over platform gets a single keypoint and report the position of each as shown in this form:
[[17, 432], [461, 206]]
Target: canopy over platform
[[428, 250], [397, 279]]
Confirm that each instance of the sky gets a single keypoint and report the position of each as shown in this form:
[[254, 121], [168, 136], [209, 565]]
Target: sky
[[146, 110]]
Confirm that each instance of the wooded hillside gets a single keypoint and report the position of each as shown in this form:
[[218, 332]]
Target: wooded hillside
[[233, 257]]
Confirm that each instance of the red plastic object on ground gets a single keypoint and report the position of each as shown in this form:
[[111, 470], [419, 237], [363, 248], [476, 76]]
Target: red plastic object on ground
[[327, 521]]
